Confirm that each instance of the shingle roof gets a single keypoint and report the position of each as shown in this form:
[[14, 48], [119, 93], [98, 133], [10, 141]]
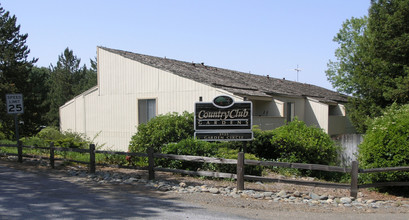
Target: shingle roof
[[238, 83]]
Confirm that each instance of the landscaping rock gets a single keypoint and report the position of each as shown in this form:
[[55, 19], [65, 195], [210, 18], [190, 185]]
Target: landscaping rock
[[296, 197], [345, 200]]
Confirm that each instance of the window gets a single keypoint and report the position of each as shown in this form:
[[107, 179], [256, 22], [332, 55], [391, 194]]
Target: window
[[336, 110], [146, 110], [290, 111]]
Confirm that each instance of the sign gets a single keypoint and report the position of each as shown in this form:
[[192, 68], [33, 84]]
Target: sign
[[225, 136], [223, 120], [14, 103]]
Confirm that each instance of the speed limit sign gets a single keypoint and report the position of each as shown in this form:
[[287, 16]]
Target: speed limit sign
[[14, 103]]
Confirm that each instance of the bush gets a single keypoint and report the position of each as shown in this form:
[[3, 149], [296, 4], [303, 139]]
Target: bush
[[36, 141], [161, 130], [385, 144], [261, 145], [60, 139], [189, 146], [227, 153], [298, 143], [194, 147], [2, 135]]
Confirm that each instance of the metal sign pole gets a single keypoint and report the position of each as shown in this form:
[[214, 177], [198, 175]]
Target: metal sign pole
[[15, 106], [16, 125]]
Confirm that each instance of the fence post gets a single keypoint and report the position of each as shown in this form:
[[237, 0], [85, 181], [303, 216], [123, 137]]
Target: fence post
[[20, 152], [92, 158], [52, 155], [240, 171], [151, 164], [354, 179]]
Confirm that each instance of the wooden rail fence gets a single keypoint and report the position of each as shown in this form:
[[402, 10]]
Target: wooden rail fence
[[240, 162]]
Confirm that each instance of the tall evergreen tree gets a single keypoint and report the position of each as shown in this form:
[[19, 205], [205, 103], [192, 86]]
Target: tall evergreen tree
[[62, 82], [15, 67], [37, 101], [67, 80], [375, 67]]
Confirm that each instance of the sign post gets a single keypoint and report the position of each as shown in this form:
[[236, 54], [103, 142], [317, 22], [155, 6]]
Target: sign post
[[225, 120], [15, 106]]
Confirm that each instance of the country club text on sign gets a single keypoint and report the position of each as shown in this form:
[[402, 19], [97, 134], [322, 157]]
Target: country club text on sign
[[223, 119], [236, 117]]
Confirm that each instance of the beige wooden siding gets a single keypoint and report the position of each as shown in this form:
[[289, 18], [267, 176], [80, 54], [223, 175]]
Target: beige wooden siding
[[268, 122], [316, 113], [110, 114], [80, 114], [67, 116]]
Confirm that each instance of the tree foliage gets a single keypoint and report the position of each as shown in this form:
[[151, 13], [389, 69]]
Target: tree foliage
[[44, 89], [67, 79], [340, 73], [373, 60], [15, 68], [36, 101]]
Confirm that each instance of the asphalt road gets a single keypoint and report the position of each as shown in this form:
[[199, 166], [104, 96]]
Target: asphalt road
[[26, 195], [27, 192]]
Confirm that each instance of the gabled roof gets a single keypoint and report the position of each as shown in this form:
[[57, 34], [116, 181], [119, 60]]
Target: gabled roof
[[238, 83]]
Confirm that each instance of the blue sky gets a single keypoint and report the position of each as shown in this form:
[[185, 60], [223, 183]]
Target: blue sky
[[261, 37]]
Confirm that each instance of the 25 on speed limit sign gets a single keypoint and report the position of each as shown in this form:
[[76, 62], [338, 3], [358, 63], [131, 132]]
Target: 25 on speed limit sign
[[14, 103]]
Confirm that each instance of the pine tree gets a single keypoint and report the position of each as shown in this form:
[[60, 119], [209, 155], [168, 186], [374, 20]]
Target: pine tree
[[15, 67], [67, 80]]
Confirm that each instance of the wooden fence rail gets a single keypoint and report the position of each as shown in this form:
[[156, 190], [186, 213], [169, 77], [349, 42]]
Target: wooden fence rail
[[240, 163]]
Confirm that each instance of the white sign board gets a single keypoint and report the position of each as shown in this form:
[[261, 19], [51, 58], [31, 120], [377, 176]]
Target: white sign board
[[14, 103]]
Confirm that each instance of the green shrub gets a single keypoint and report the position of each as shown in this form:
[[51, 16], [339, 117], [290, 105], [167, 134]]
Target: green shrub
[[227, 153], [161, 130], [194, 147], [189, 146], [386, 144], [2, 135], [60, 139], [296, 142], [50, 133], [261, 145], [112, 159]]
